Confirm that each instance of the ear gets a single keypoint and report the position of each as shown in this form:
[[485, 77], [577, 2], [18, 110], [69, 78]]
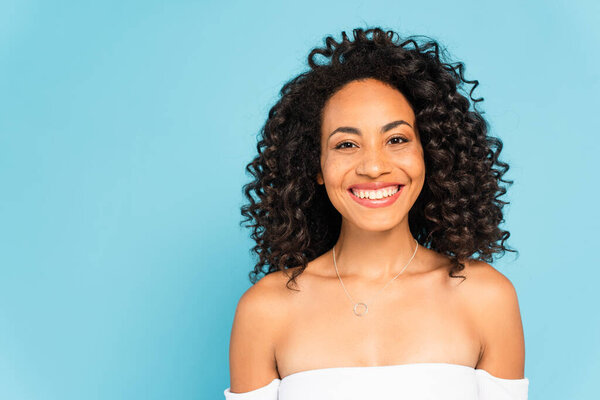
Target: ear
[[320, 178]]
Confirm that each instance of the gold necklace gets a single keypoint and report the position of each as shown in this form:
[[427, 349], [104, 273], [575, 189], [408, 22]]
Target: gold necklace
[[362, 305]]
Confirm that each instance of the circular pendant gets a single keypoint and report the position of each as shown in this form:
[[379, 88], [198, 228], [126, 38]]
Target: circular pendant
[[360, 309]]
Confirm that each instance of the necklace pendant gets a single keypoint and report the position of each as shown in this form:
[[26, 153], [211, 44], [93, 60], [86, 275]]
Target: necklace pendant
[[360, 309]]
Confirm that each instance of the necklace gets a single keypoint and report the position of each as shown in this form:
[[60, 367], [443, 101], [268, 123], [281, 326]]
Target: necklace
[[361, 308]]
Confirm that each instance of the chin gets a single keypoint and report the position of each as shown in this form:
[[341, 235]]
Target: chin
[[377, 225]]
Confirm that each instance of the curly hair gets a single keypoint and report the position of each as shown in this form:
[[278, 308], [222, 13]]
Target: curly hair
[[458, 211]]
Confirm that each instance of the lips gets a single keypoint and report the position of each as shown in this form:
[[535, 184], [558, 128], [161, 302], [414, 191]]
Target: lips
[[380, 201], [373, 185]]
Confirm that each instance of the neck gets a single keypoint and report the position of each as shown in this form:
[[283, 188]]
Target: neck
[[374, 256]]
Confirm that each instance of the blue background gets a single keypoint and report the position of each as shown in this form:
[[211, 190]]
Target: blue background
[[125, 127]]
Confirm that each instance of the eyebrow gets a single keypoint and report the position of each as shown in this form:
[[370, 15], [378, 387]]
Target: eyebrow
[[355, 131]]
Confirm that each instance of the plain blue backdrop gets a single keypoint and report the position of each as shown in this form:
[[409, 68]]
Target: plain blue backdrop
[[125, 127]]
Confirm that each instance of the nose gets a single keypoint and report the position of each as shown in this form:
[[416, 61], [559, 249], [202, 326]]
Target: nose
[[373, 163]]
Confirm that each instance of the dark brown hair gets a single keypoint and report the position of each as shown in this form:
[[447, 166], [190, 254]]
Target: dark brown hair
[[458, 211]]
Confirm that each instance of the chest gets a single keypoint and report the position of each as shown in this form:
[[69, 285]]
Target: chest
[[408, 324]]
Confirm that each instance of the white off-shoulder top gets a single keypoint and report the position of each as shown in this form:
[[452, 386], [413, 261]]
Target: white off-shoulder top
[[418, 381]]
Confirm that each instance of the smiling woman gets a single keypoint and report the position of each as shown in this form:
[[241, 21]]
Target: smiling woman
[[370, 152], [375, 183]]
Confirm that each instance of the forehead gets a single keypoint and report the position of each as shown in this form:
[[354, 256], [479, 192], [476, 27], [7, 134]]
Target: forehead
[[366, 102]]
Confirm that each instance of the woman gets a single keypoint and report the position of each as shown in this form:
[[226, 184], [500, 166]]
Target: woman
[[375, 184]]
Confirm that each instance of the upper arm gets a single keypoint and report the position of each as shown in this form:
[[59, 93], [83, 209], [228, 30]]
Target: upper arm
[[252, 361], [500, 325]]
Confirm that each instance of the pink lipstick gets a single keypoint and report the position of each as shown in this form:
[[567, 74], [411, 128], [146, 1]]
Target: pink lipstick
[[376, 194]]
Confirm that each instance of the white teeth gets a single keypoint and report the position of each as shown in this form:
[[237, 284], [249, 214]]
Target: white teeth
[[375, 194]]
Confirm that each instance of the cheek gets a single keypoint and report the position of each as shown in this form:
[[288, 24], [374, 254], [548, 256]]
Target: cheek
[[414, 163], [332, 172], [331, 168]]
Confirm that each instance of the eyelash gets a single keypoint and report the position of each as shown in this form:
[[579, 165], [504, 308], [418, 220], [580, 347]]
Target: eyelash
[[339, 145]]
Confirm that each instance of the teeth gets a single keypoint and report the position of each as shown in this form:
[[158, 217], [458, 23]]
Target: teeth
[[375, 194]]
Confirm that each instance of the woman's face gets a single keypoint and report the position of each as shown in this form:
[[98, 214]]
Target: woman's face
[[369, 141]]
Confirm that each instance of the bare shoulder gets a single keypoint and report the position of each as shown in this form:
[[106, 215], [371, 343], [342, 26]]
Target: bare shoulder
[[258, 320], [492, 289], [487, 281], [492, 299]]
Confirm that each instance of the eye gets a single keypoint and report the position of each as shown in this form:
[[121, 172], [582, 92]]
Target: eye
[[398, 139], [342, 145]]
